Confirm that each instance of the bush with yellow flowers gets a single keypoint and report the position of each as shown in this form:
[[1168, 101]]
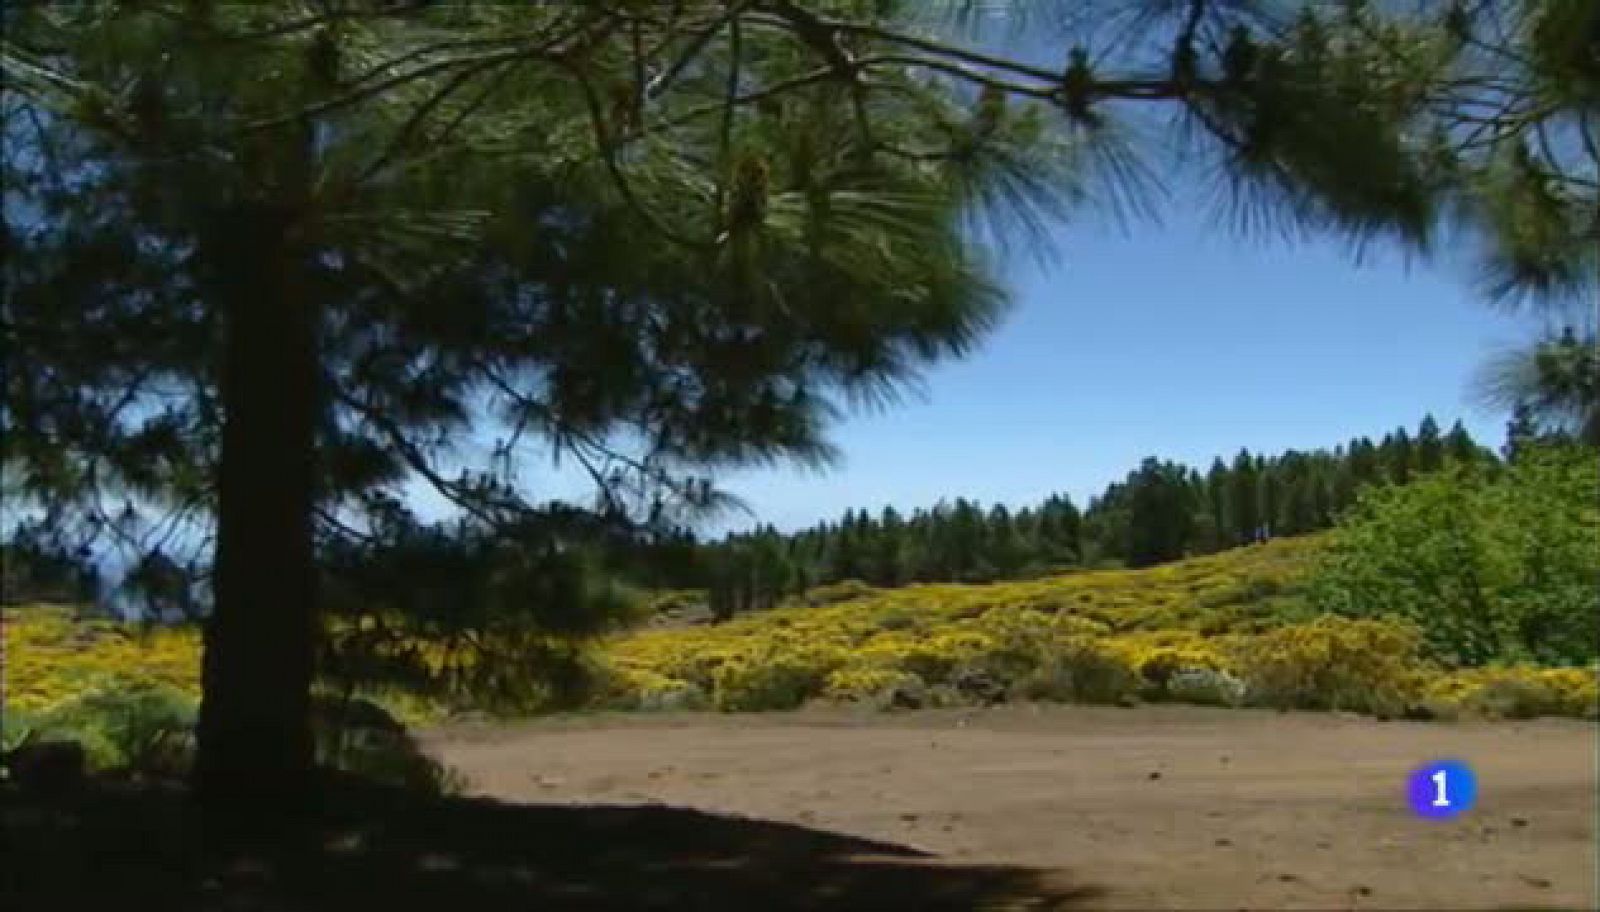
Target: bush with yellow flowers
[[53, 656], [1158, 655], [779, 681], [1223, 629], [1516, 692], [874, 686], [1081, 670], [1336, 663]]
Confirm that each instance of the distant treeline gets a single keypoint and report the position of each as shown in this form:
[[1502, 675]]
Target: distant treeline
[[1161, 511]]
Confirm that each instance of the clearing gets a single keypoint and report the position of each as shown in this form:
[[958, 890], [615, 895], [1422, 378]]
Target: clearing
[[1150, 807]]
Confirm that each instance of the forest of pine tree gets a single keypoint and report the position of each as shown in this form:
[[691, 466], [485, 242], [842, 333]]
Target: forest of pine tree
[[1161, 511]]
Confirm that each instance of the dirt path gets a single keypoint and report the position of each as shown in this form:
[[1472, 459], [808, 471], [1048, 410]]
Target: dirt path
[[1159, 806]]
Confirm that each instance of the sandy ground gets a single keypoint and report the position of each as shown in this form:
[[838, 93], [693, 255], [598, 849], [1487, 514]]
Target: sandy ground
[[1152, 807]]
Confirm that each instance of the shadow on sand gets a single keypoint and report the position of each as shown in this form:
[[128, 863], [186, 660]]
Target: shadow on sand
[[137, 848]]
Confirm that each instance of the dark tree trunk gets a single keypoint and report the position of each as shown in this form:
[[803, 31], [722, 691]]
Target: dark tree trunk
[[255, 745]]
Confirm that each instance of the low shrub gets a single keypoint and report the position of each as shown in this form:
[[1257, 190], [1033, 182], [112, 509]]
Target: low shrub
[[361, 737], [1204, 686], [1517, 692], [1334, 663], [879, 688], [1083, 671], [673, 696], [934, 659], [781, 682], [141, 729], [843, 591]]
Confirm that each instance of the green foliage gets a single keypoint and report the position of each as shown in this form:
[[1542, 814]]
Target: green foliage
[[1552, 386], [140, 729], [17, 727], [1082, 672], [1160, 512], [467, 616], [778, 682], [1491, 569], [361, 737]]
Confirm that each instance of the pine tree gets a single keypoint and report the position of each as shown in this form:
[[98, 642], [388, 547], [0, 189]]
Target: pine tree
[[328, 273], [1366, 462], [327, 269], [890, 564], [1160, 513], [1401, 457], [1269, 497], [1430, 449], [1002, 547], [1459, 447], [1244, 499], [1218, 485]]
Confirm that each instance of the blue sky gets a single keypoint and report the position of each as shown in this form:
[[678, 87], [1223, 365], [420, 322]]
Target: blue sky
[[1177, 340]]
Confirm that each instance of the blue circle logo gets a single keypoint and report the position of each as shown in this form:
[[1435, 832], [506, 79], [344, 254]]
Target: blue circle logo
[[1442, 789]]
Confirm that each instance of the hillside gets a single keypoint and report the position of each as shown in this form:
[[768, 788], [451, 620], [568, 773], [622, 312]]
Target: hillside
[[1223, 629]]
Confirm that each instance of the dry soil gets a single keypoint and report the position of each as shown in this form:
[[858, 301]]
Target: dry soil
[[1150, 807]]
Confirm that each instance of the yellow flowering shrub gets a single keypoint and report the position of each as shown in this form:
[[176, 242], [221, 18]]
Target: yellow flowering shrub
[[1211, 629], [1516, 692], [780, 682], [888, 650], [1158, 655], [1083, 670], [1336, 663], [870, 685], [632, 688], [52, 657], [935, 658]]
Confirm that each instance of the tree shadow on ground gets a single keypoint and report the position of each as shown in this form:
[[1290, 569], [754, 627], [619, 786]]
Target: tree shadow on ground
[[136, 848]]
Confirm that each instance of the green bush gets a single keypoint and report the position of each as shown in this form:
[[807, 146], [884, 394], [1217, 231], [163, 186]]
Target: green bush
[[1493, 569], [361, 737], [877, 688], [1082, 672], [17, 727], [833, 593], [782, 682], [145, 729]]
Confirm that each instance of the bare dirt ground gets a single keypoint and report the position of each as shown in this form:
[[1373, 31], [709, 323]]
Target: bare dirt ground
[[1152, 807]]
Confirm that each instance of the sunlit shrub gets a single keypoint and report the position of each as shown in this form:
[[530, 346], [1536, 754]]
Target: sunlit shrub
[[935, 658], [1517, 692], [780, 682], [1493, 568], [1157, 655], [647, 691], [1204, 686], [1335, 663], [1082, 671], [880, 688]]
